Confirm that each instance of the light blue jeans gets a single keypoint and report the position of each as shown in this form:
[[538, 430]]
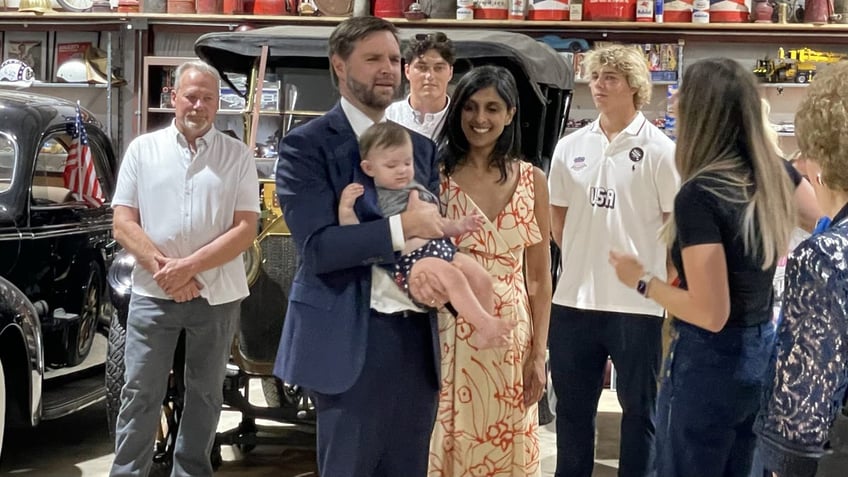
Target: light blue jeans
[[153, 328]]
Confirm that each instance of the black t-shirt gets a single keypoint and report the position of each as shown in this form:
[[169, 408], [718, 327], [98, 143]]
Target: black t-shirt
[[702, 217]]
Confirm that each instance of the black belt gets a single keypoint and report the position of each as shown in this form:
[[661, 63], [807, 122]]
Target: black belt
[[400, 314]]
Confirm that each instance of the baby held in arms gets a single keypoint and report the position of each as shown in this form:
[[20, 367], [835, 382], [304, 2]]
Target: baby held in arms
[[386, 152]]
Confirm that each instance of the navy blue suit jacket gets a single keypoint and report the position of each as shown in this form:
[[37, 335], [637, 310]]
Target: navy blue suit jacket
[[323, 342]]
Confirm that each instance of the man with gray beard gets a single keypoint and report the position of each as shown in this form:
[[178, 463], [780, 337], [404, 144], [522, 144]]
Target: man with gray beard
[[368, 356], [186, 208]]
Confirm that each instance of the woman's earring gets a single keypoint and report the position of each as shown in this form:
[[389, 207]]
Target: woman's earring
[[819, 179]]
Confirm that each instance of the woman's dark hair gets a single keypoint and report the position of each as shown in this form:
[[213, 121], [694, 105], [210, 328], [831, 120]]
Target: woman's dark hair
[[453, 144]]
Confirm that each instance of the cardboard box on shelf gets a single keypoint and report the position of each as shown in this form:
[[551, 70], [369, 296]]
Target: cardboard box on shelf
[[232, 101]]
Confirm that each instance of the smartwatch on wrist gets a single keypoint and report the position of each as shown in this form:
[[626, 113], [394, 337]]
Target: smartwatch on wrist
[[642, 284]]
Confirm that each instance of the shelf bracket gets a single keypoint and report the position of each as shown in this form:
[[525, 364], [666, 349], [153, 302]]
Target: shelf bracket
[[140, 24]]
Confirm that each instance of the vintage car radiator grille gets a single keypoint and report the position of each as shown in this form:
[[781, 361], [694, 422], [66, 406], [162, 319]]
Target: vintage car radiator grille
[[279, 259], [263, 312]]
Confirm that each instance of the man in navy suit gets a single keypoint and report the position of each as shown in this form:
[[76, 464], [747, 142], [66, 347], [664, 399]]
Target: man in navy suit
[[366, 353]]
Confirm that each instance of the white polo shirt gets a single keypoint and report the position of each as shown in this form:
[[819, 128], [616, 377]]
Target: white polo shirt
[[426, 124], [187, 200], [616, 193]]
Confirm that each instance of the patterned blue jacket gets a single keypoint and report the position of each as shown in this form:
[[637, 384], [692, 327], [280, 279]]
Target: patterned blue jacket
[[811, 358]]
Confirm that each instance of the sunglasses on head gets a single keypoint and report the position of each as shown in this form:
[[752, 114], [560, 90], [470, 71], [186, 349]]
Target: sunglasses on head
[[437, 37]]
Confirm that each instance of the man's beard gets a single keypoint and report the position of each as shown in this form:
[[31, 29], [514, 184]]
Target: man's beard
[[195, 123], [368, 97]]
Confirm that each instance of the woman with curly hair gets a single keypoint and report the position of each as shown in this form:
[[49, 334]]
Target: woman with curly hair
[[810, 375]]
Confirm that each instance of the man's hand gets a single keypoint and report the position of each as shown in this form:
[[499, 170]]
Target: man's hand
[[535, 378], [428, 290], [189, 292], [421, 219], [173, 274]]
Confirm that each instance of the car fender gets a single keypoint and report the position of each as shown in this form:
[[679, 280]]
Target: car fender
[[119, 279], [20, 317]]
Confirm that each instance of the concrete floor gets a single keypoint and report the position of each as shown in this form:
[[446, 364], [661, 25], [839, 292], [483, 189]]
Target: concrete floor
[[79, 446]]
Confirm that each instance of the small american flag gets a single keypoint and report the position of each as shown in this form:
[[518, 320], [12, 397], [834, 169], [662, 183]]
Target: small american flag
[[80, 176]]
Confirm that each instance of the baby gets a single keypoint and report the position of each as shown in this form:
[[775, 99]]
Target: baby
[[386, 151]]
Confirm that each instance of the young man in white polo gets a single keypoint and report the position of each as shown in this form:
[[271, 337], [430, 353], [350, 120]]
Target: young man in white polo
[[612, 185]]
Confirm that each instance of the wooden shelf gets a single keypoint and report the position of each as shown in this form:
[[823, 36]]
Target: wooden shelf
[[68, 85], [614, 31], [233, 112], [784, 85], [654, 83]]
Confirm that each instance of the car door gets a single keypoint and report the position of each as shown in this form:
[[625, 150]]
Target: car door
[[70, 245]]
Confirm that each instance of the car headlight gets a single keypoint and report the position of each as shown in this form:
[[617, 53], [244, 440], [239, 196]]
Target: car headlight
[[119, 278]]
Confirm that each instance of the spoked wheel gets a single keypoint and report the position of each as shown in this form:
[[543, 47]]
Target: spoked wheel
[[82, 336], [278, 394]]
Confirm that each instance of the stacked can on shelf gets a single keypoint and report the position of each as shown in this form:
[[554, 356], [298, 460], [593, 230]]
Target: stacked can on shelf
[[670, 118], [701, 11], [464, 9], [548, 10]]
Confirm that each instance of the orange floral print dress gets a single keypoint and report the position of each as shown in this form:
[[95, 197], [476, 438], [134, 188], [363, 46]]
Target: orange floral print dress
[[482, 427]]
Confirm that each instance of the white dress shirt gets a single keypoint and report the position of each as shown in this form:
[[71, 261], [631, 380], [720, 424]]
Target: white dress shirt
[[427, 124], [186, 200]]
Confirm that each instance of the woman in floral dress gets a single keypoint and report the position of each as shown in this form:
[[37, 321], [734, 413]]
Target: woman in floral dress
[[487, 418]]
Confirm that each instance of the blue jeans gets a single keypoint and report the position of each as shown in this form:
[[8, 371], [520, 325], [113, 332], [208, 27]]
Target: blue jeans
[[711, 389], [580, 342]]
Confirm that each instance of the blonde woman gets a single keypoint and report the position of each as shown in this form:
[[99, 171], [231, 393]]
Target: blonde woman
[[731, 222]]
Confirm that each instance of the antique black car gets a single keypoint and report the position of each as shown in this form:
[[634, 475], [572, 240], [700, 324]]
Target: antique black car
[[57, 174]]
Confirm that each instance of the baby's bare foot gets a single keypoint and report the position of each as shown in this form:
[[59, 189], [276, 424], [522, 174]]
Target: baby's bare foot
[[493, 333]]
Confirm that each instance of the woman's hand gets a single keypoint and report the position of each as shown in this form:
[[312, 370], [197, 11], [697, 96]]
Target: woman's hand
[[627, 267], [535, 378]]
